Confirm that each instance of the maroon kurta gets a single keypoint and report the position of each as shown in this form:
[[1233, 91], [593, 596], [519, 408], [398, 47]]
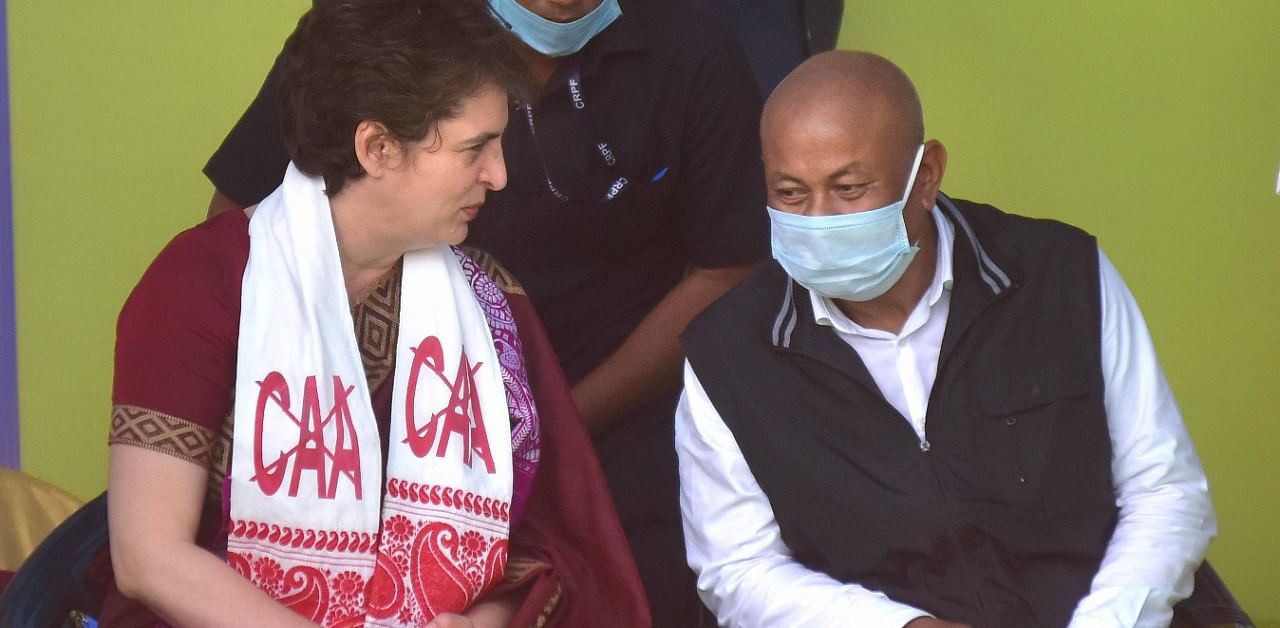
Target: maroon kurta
[[175, 373]]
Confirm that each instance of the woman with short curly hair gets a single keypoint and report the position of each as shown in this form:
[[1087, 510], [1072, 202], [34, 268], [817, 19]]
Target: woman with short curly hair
[[271, 467]]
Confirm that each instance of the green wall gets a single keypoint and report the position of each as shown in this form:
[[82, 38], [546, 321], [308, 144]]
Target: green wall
[[115, 106], [1156, 125]]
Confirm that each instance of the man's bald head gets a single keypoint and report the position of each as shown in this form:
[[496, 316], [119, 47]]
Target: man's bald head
[[841, 133], [861, 91]]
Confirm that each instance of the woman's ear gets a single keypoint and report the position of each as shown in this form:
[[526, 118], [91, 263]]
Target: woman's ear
[[377, 149]]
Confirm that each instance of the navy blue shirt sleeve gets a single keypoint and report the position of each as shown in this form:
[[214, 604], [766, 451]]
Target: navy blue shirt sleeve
[[719, 200], [252, 159]]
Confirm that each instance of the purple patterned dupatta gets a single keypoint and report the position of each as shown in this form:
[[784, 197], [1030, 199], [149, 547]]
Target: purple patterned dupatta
[[524, 415]]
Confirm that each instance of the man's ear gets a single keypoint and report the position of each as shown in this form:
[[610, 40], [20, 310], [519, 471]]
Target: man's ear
[[377, 149], [932, 166]]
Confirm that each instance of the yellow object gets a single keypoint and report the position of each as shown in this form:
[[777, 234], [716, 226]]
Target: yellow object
[[30, 509]]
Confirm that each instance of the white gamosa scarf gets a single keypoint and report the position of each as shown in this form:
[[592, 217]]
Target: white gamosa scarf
[[313, 521]]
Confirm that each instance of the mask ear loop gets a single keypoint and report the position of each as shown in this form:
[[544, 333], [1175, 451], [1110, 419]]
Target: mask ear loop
[[911, 183], [915, 169]]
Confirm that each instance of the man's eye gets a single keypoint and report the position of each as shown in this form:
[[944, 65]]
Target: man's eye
[[849, 189], [789, 194]]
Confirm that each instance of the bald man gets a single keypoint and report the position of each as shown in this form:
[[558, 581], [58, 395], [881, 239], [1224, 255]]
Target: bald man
[[925, 411]]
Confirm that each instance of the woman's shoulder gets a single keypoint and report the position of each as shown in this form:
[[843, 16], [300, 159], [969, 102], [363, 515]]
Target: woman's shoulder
[[177, 332], [215, 248], [202, 263], [206, 260]]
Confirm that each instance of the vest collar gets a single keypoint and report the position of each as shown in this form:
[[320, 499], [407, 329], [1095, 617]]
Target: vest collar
[[987, 270]]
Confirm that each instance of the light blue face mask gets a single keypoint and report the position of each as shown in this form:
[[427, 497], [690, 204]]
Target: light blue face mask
[[854, 257], [555, 39]]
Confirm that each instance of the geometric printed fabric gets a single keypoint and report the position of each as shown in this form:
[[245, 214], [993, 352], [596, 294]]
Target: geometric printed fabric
[[153, 430]]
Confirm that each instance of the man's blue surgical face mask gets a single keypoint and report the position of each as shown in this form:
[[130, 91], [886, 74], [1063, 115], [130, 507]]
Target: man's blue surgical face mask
[[854, 257], [555, 39]]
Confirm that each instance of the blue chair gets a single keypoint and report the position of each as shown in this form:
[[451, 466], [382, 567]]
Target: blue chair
[[52, 588]]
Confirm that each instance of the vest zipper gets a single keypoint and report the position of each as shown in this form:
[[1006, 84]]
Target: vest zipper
[[1012, 423], [954, 515], [944, 358]]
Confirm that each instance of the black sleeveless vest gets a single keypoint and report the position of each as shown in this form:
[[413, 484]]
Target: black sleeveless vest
[[1003, 518]]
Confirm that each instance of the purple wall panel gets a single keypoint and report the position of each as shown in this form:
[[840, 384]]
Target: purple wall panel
[[9, 443]]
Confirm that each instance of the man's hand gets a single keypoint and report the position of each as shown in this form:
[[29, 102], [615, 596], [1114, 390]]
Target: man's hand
[[650, 361], [451, 620], [930, 622], [221, 203], [492, 612]]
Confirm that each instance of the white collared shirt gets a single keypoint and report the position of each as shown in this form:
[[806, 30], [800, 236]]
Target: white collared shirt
[[746, 574], [903, 364]]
